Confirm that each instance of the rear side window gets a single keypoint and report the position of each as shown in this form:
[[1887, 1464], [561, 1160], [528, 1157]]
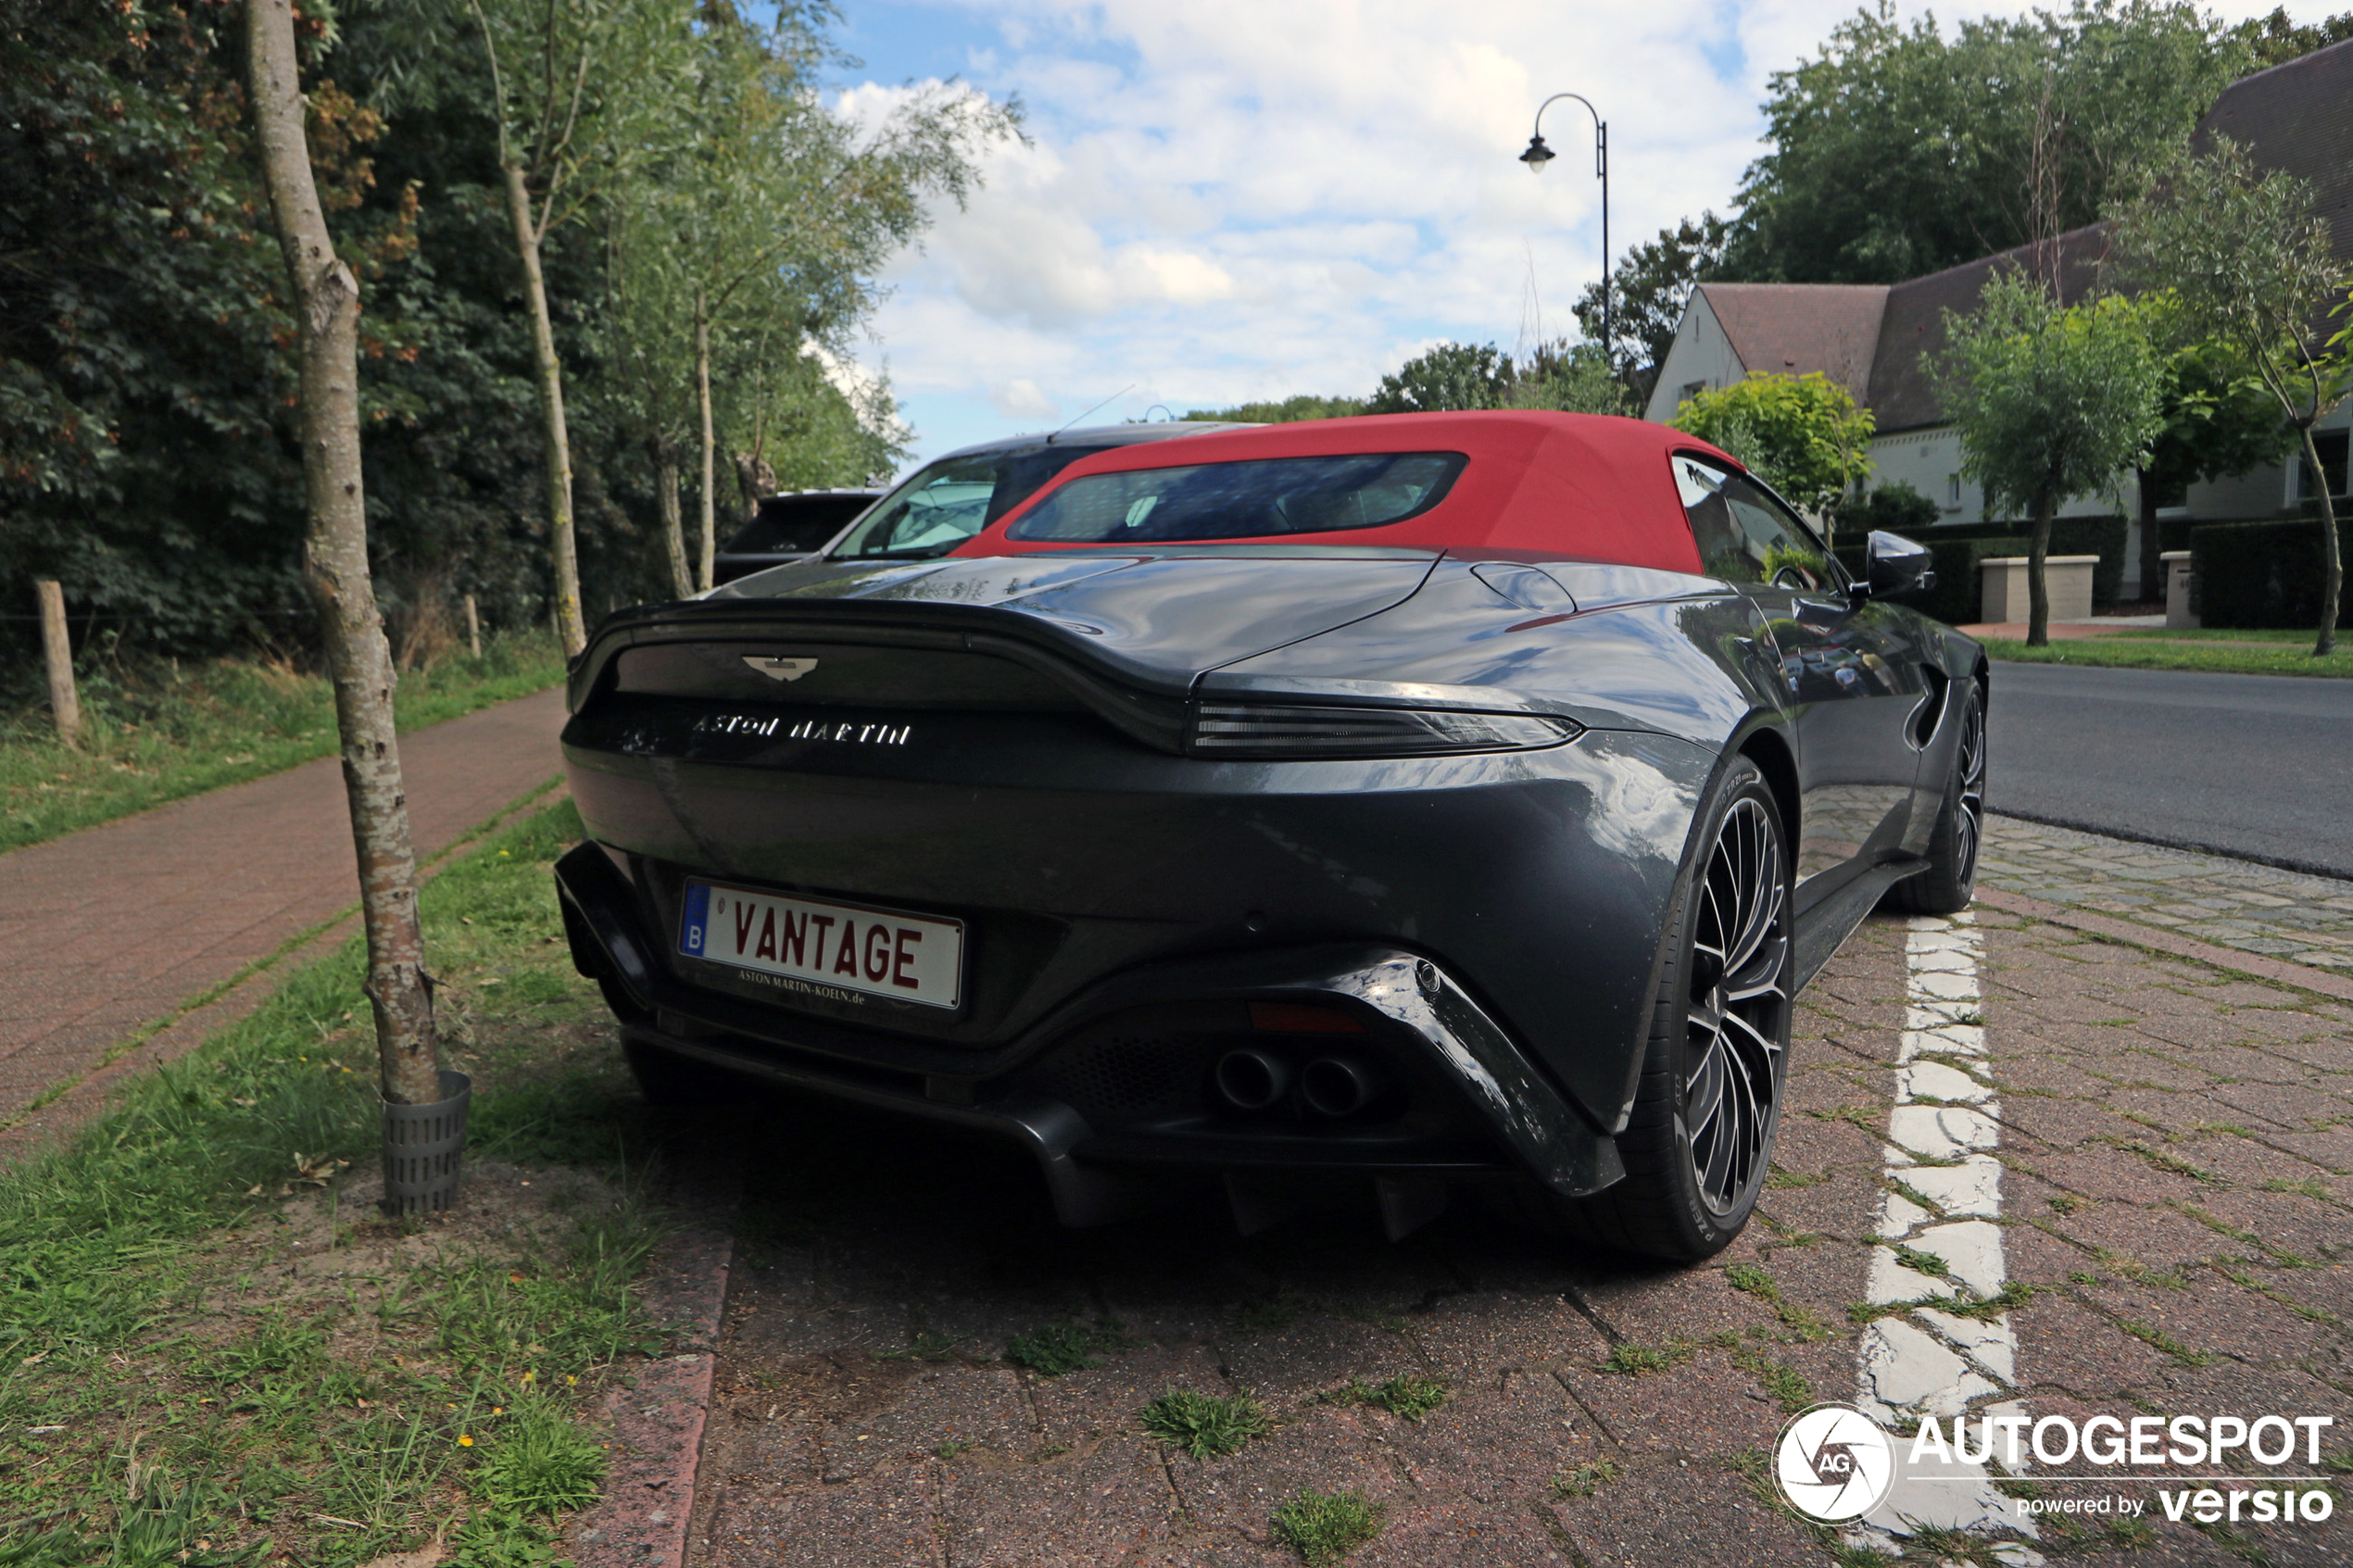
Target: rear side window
[[1268, 497], [1745, 535], [790, 524]]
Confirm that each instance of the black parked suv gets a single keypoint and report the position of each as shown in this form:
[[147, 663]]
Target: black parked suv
[[788, 528]]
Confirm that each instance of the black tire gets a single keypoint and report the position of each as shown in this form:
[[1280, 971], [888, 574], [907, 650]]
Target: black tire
[[673, 1082], [1716, 1066], [1950, 881]]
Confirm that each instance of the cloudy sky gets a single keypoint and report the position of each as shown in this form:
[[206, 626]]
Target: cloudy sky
[[1224, 200]]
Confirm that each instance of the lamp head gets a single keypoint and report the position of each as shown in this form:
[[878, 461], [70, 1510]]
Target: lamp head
[[1537, 156]]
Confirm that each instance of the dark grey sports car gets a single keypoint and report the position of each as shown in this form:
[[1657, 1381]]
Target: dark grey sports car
[[1393, 804]]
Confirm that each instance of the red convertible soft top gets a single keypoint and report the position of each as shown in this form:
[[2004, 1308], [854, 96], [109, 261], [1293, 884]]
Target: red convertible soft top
[[1538, 486]]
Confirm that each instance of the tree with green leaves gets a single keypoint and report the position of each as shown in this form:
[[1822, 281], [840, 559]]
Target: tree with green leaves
[[1899, 151], [2279, 38], [2219, 422], [2050, 402], [2249, 261], [583, 93], [1804, 435], [757, 235], [1649, 291], [1449, 377], [1572, 378], [1289, 410]]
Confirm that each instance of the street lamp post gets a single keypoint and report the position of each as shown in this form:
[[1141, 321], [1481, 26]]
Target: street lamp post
[[1538, 155]]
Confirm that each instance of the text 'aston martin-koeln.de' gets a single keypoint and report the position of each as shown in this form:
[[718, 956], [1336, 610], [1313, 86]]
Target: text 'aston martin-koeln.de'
[[1392, 804]]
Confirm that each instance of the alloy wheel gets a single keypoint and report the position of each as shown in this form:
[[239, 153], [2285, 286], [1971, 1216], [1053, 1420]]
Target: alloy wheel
[[1969, 822], [1738, 1016]]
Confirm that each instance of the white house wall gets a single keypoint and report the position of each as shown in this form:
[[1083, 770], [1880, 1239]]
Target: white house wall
[[1929, 459], [1701, 354]]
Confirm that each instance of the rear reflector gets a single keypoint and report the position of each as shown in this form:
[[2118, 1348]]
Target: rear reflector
[[1301, 1018]]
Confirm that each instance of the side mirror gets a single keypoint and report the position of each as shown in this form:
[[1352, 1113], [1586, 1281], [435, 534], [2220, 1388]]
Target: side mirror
[[1898, 566]]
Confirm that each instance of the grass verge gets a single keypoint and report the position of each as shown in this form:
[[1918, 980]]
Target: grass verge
[[214, 1351], [157, 734], [2259, 654]]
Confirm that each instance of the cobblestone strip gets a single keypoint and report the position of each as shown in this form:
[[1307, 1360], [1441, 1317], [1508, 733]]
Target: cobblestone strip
[[1940, 1239], [2231, 903]]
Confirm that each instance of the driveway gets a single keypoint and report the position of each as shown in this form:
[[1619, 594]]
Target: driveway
[[2249, 765]]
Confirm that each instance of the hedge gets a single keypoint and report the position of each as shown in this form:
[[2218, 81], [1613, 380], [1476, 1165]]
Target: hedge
[[2252, 574]]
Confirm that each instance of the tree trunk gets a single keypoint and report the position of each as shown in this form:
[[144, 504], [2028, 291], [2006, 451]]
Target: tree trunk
[[2038, 587], [2332, 559], [702, 395], [335, 566], [2152, 569], [672, 532], [569, 624], [57, 648], [754, 482]]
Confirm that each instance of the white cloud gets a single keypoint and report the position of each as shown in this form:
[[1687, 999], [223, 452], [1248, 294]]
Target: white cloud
[[1232, 199], [1021, 398]]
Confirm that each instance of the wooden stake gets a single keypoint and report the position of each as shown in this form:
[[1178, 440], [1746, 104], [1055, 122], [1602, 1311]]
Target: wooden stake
[[65, 702], [474, 625]]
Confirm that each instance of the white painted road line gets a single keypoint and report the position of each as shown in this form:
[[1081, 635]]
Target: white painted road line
[[1939, 1240]]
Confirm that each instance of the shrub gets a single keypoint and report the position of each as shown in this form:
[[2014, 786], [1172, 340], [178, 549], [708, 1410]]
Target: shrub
[[2254, 574], [1896, 507]]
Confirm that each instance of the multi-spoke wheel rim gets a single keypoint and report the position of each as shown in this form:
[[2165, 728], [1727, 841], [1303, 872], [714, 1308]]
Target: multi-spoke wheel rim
[[1739, 1011], [1968, 820]]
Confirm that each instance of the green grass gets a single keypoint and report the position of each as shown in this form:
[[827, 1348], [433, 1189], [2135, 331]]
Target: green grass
[[234, 1366], [2292, 635], [1587, 1479], [157, 734], [1326, 1526], [1751, 1280], [1204, 1424], [1060, 1347], [1409, 1394], [1634, 1360], [2290, 654]]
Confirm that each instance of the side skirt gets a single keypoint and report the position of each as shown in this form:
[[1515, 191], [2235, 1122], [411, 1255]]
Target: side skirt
[[1824, 929]]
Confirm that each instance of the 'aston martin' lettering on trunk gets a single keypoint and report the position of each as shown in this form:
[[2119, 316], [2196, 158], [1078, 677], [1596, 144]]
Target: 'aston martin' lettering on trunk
[[832, 731]]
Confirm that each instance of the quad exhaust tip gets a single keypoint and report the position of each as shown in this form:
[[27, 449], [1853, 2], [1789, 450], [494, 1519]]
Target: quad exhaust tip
[[1338, 1086], [1253, 1080]]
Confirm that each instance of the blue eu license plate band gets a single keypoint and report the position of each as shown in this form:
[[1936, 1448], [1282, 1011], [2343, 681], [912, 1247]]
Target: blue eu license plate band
[[817, 943]]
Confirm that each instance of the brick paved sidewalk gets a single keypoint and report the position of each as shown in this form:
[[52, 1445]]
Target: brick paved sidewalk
[[2255, 909], [2175, 1181], [106, 932]]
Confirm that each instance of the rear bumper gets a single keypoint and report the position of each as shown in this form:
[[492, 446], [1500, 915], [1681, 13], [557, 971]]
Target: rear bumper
[[1491, 1109]]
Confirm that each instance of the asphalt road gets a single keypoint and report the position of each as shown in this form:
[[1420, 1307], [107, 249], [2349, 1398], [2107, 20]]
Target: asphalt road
[[2258, 766]]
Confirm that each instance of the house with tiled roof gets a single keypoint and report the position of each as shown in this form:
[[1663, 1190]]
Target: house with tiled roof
[[1870, 337]]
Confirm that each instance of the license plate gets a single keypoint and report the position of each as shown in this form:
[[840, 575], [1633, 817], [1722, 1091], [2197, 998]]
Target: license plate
[[880, 952]]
